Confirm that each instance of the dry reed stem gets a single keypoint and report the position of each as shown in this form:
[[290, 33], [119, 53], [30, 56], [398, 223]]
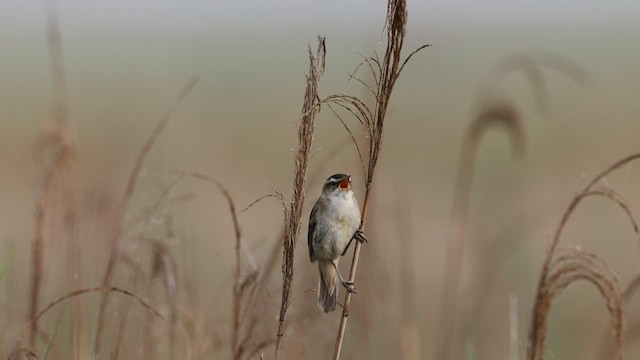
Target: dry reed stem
[[566, 270], [117, 228], [293, 214], [384, 74], [237, 286], [536, 334], [492, 114], [492, 111], [58, 143]]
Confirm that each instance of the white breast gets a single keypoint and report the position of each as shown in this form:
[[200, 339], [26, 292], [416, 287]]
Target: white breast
[[345, 218]]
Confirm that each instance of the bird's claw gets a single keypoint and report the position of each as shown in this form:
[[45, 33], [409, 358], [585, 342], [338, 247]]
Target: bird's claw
[[359, 235], [349, 286]]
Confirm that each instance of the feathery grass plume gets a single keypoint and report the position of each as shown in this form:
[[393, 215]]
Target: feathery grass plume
[[115, 237], [293, 214], [538, 330], [567, 269], [497, 113], [384, 73]]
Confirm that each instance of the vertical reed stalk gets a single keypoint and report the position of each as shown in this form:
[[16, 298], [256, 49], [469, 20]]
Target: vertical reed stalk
[[293, 214], [57, 145], [385, 74]]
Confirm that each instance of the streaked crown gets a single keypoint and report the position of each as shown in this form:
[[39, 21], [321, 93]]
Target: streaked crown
[[338, 180]]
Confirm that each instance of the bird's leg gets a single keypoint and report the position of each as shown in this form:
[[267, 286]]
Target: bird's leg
[[346, 283], [359, 235]]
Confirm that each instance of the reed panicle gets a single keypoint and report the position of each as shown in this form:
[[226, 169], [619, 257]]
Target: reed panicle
[[385, 72], [293, 213]]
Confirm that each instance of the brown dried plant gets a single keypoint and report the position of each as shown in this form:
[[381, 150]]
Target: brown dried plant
[[537, 333], [73, 294], [56, 146], [496, 113], [632, 328], [116, 234], [567, 269], [238, 285], [293, 214], [385, 72], [162, 262]]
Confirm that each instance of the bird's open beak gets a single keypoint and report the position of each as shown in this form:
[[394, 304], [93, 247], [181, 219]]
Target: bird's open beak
[[346, 183]]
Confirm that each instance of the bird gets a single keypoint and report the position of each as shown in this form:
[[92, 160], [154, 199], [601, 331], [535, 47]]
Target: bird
[[333, 224]]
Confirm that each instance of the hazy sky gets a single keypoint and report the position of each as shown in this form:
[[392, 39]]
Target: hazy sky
[[214, 13]]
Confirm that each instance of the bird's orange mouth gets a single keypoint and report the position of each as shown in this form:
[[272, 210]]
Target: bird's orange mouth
[[345, 184]]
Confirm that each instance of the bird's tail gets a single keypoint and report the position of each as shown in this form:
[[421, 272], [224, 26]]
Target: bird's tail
[[328, 286]]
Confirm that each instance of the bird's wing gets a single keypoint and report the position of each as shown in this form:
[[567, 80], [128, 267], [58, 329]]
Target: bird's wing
[[312, 230]]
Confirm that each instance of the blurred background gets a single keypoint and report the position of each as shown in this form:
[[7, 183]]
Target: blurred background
[[124, 64]]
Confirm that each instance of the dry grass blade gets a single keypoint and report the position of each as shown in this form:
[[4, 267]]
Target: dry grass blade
[[116, 230], [293, 214], [492, 114], [105, 289], [567, 269]]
